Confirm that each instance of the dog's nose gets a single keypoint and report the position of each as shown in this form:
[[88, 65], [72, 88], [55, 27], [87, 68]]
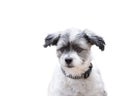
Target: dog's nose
[[68, 60]]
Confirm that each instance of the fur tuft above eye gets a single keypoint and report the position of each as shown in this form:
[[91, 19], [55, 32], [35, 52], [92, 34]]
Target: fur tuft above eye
[[77, 49]]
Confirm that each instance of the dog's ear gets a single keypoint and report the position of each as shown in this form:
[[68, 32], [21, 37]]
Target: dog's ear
[[94, 39], [51, 39]]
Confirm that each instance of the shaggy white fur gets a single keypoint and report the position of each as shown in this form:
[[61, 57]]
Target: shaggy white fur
[[64, 86]]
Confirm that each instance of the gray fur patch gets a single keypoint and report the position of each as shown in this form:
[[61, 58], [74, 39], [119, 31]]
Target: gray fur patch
[[51, 40], [97, 40]]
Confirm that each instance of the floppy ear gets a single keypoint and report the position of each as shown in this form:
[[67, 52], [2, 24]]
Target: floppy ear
[[51, 39], [95, 40]]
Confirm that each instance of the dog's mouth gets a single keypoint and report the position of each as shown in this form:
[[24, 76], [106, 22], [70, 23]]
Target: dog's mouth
[[69, 66], [77, 74]]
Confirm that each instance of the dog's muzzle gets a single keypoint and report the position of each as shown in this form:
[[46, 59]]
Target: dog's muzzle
[[84, 75]]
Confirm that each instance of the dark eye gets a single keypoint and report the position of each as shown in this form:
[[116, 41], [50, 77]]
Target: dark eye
[[62, 49], [77, 49]]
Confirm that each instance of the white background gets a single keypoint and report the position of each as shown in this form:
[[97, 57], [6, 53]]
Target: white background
[[26, 67]]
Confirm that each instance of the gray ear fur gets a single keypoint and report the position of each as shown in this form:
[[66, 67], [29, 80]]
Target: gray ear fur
[[95, 40], [51, 39]]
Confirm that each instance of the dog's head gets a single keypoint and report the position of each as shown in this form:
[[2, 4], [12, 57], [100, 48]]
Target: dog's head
[[73, 48]]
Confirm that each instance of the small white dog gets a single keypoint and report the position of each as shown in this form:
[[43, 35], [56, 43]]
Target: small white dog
[[75, 75]]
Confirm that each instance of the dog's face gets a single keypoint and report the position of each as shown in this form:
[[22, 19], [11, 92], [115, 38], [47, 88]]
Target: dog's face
[[73, 48]]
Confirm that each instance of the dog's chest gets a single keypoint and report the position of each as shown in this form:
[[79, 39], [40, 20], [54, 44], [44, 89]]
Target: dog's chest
[[75, 88], [64, 86]]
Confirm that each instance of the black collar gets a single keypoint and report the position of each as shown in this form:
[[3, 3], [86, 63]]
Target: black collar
[[84, 75]]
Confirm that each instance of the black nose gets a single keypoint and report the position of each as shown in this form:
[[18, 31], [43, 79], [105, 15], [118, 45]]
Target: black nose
[[68, 60]]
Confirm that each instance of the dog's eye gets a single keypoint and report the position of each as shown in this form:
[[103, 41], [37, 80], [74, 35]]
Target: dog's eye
[[77, 49], [62, 49]]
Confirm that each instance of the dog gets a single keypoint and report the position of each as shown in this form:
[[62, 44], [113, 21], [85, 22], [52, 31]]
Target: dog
[[75, 75]]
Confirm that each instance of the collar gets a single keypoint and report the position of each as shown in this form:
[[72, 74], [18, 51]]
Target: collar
[[84, 75]]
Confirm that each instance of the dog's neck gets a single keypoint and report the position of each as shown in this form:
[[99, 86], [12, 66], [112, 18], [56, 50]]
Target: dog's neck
[[84, 75]]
